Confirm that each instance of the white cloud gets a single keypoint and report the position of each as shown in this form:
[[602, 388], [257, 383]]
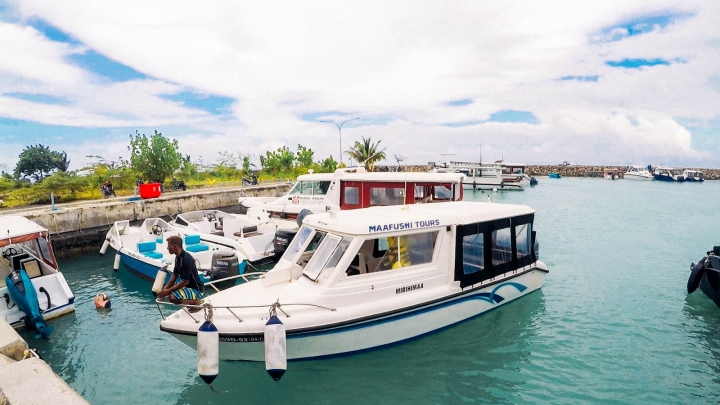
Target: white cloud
[[399, 60]]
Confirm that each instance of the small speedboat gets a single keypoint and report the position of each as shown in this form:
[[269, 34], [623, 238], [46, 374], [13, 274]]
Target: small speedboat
[[34, 288], [143, 249], [693, 175], [356, 280], [638, 173], [611, 174], [705, 274], [554, 175], [251, 234], [668, 174]]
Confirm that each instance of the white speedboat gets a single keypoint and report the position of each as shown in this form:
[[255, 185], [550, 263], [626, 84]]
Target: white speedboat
[[34, 288], [515, 173], [353, 188], [251, 234], [143, 249], [668, 174], [480, 176], [356, 280], [693, 175], [611, 174], [638, 173]]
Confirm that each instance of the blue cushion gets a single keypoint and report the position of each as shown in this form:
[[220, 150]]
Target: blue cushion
[[153, 255], [159, 241], [197, 248], [147, 246], [192, 239]]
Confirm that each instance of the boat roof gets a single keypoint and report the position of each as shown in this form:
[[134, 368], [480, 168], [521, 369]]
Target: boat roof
[[12, 226], [415, 216], [359, 174]]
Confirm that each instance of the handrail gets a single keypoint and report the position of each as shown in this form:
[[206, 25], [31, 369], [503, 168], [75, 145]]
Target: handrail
[[209, 308], [243, 276]]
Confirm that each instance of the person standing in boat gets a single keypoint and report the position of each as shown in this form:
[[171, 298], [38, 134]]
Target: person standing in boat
[[187, 291]]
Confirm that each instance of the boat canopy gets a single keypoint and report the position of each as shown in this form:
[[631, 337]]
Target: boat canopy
[[17, 229]]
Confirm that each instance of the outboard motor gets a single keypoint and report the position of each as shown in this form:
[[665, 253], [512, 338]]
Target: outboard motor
[[225, 263], [533, 181], [23, 294], [282, 240]]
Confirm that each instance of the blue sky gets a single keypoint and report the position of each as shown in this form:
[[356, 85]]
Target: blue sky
[[610, 83]]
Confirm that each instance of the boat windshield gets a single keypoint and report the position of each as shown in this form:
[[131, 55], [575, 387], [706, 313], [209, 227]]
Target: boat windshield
[[310, 187], [297, 243], [327, 255]]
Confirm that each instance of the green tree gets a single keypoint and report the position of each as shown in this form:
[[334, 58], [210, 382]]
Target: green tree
[[156, 157], [328, 165], [366, 152], [278, 163], [36, 161], [61, 161], [304, 157]]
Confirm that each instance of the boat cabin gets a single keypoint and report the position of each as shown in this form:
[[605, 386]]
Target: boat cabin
[[354, 188], [457, 244]]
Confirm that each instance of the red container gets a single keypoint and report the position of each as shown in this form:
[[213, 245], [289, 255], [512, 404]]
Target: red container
[[149, 190]]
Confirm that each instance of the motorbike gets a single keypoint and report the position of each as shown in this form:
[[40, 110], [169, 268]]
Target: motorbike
[[251, 181], [178, 185], [107, 190]]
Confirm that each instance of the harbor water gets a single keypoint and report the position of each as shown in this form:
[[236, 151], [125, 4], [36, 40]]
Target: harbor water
[[613, 322]]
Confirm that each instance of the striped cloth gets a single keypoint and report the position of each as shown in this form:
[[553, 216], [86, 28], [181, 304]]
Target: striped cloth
[[187, 294]]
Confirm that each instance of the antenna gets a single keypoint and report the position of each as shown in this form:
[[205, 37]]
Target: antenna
[[405, 193]]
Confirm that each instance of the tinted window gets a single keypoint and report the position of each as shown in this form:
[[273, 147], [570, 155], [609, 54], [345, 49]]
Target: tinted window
[[352, 195], [473, 253], [501, 246]]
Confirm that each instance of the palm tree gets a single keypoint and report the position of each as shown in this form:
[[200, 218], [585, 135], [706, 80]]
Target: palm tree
[[366, 152]]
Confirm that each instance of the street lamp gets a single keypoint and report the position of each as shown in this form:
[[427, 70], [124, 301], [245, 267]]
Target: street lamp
[[339, 126]]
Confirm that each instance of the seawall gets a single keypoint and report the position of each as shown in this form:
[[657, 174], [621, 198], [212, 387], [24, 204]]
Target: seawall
[[86, 223]]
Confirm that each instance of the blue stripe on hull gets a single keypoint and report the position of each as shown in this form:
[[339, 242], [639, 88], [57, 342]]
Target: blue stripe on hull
[[144, 269]]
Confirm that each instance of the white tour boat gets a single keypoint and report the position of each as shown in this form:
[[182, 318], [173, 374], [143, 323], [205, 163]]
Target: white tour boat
[[34, 288], [515, 173], [480, 176], [143, 249], [668, 174], [356, 280], [353, 188], [638, 173], [251, 234], [693, 175]]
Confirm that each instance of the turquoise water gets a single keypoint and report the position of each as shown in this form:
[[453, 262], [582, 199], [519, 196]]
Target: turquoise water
[[612, 324]]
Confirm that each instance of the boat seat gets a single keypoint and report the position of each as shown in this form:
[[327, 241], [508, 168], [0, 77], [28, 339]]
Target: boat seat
[[147, 248], [32, 267], [246, 231], [194, 245]]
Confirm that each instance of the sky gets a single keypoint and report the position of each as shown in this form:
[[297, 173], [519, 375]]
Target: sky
[[539, 82]]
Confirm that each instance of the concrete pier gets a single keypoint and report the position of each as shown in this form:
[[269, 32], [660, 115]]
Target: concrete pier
[[87, 222], [27, 380]]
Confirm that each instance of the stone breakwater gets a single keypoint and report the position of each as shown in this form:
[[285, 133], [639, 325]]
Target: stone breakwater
[[565, 171]]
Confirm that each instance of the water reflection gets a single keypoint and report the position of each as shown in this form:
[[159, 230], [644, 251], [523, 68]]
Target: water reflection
[[701, 327], [480, 360]]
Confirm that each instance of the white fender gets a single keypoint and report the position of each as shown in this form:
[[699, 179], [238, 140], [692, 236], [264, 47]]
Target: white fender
[[208, 350], [275, 348], [116, 265], [104, 247], [159, 282]]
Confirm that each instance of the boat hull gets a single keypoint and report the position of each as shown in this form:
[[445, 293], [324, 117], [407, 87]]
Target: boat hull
[[470, 185], [629, 176], [380, 330]]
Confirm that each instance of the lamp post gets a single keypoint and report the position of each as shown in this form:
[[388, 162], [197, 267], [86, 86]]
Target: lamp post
[[339, 126]]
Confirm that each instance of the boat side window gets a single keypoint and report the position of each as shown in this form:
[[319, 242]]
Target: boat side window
[[386, 196], [406, 250], [473, 253], [45, 252], [501, 246], [310, 188], [443, 193], [523, 240], [297, 243], [352, 195], [324, 251]]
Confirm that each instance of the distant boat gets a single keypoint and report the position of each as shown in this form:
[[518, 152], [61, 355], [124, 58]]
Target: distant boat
[[611, 174], [479, 176], [554, 175], [705, 274], [668, 174], [693, 175], [638, 173]]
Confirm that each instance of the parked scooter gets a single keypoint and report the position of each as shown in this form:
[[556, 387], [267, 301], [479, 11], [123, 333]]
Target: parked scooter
[[252, 181], [107, 189], [177, 185]]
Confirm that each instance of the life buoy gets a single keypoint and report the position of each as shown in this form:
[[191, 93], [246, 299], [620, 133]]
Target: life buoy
[[696, 275], [398, 254]]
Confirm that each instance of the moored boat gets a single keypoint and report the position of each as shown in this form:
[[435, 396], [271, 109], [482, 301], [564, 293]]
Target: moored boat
[[34, 288], [554, 175], [143, 249], [354, 188], [668, 174], [705, 274], [638, 173], [356, 280], [480, 176], [611, 174], [693, 175]]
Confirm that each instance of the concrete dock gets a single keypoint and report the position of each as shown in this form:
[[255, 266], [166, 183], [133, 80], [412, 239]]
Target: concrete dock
[[27, 380]]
